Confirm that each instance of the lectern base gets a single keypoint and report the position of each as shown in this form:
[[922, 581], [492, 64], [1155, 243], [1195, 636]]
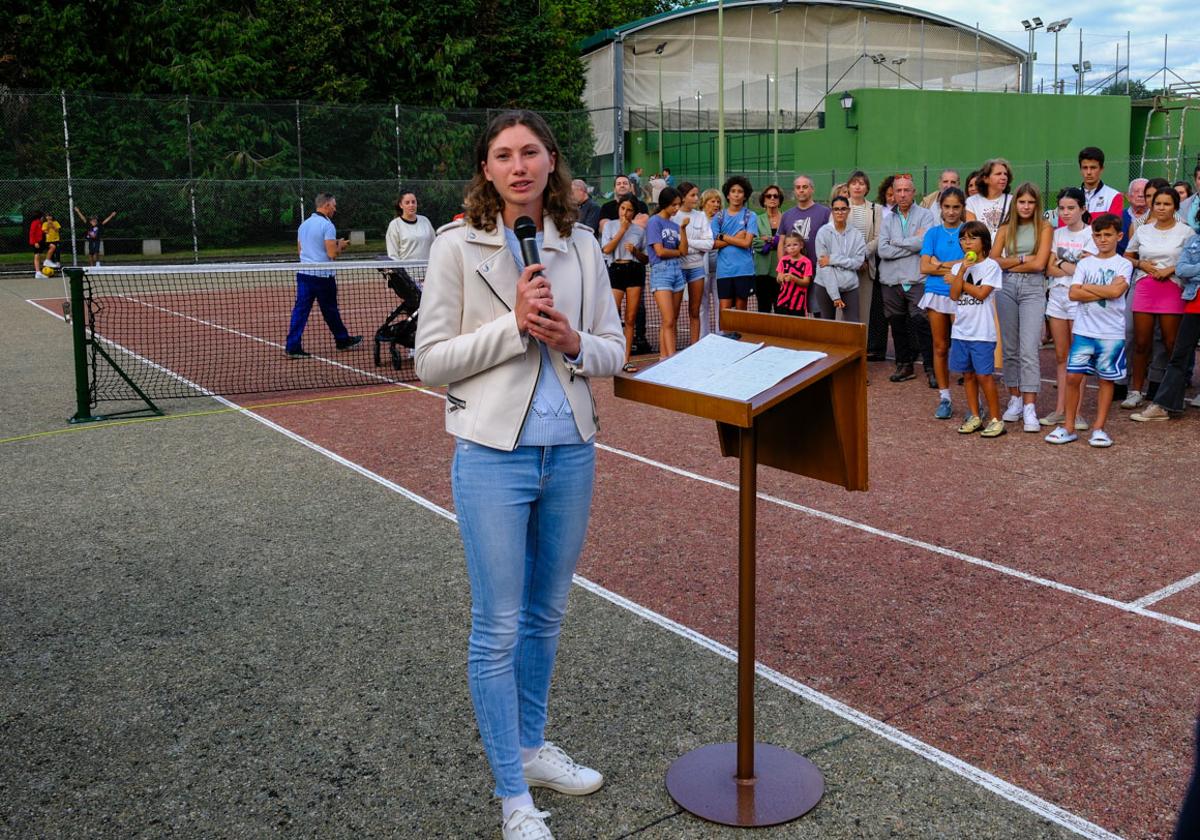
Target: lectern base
[[786, 785]]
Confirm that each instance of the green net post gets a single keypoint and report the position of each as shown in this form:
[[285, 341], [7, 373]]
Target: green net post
[[79, 341]]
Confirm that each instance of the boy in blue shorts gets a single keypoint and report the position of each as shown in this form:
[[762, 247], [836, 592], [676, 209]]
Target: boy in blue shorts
[[973, 336], [1098, 334]]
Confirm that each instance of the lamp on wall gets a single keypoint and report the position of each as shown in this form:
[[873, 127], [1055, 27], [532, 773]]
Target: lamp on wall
[[847, 103]]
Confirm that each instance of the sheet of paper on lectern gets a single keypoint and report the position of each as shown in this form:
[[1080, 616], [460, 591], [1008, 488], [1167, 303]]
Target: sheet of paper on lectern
[[727, 368]]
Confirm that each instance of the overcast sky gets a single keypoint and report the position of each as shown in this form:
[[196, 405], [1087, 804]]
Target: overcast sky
[[1104, 26]]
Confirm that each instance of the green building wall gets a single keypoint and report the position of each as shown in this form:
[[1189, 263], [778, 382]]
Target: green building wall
[[920, 132]]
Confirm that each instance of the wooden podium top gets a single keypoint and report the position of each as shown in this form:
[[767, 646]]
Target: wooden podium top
[[826, 400]]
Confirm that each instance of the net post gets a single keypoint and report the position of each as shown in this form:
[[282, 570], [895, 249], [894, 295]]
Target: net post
[[79, 341]]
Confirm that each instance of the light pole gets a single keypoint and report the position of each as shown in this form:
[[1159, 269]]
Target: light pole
[[896, 62], [775, 10], [1056, 27], [720, 91], [658, 51], [1030, 27]]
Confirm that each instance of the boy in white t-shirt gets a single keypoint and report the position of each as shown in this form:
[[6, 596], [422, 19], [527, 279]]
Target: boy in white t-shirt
[[973, 336], [1098, 335]]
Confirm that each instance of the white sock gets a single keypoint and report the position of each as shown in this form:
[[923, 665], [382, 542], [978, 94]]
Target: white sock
[[944, 393], [511, 803], [528, 754]]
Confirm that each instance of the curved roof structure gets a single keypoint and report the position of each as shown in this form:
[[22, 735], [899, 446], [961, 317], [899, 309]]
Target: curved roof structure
[[823, 46]]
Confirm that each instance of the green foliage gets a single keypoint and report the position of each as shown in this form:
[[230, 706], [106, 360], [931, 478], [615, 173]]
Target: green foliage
[[1137, 90]]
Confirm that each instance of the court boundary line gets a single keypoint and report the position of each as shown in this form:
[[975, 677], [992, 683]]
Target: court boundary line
[[988, 781], [1136, 607], [1168, 590], [1124, 606]]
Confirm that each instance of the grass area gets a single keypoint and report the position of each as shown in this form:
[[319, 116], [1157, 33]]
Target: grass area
[[283, 251]]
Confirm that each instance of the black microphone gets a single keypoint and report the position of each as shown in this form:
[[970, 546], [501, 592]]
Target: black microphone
[[526, 232]]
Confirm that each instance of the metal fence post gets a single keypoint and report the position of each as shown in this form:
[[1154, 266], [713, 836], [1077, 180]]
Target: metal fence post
[[187, 107], [300, 159], [399, 172], [70, 190]]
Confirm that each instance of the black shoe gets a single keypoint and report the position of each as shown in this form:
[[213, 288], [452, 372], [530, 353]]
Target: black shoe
[[877, 357], [299, 354], [352, 341], [932, 380], [903, 374]]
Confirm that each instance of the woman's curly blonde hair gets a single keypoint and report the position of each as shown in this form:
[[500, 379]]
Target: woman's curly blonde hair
[[483, 203]]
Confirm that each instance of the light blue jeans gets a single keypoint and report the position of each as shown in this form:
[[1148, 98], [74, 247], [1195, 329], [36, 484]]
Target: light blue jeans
[[523, 517]]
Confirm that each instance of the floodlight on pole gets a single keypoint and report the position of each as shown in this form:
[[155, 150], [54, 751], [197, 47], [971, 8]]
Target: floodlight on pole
[[1031, 28], [1056, 27]]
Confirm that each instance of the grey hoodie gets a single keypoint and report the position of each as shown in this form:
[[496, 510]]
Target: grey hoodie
[[846, 251]]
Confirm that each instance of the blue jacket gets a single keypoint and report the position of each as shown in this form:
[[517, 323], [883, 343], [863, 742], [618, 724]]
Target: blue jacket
[[1187, 268]]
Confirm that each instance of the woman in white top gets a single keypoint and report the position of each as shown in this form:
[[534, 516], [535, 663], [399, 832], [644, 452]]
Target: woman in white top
[[711, 202], [991, 203], [700, 241], [409, 236], [1154, 250]]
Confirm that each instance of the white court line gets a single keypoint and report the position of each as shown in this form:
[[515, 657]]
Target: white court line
[[1138, 607], [989, 782], [1168, 591]]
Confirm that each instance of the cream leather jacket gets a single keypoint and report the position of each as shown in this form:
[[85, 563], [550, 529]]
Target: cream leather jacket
[[467, 336]]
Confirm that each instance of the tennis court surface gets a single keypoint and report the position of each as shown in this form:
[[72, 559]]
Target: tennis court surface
[[249, 617]]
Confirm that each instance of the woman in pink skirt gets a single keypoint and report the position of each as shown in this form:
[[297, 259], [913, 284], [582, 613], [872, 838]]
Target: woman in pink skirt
[[1154, 251]]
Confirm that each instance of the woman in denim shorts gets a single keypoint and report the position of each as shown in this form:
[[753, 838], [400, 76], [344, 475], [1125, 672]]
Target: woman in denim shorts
[[667, 242]]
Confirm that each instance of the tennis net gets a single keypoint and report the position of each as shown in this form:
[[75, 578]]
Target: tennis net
[[180, 331], [164, 332]]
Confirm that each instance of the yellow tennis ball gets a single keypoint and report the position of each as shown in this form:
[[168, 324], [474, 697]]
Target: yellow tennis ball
[[48, 271], [971, 255]]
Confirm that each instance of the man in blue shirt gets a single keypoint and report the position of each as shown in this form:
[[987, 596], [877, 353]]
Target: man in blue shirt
[[317, 242]]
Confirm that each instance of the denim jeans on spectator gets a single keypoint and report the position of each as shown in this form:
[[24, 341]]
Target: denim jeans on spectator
[[523, 516], [1021, 307]]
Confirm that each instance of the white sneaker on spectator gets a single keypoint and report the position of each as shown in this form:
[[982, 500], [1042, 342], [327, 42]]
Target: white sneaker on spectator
[[1031, 422], [527, 824], [552, 768], [1013, 413], [1133, 400], [1195, 403]]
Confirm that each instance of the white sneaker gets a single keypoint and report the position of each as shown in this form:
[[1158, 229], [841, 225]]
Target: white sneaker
[[1032, 424], [1013, 413], [527, 823], [552, 768], [1195, 403], [1133, 400]]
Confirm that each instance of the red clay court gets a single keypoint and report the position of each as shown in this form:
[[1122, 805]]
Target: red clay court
[[1028, 611]]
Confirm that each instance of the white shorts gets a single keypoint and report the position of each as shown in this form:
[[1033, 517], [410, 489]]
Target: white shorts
[[1060, 304], [938, 303]]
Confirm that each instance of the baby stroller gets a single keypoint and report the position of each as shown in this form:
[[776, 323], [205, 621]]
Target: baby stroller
[[400, 328]]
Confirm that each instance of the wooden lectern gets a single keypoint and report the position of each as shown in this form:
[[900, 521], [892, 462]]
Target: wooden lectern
[[747, 783]]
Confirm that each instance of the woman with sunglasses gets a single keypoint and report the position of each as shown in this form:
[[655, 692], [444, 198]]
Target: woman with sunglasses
[[766, 247]]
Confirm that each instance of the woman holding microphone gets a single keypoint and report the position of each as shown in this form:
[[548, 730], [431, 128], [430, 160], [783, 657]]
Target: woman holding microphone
[[517, 346]]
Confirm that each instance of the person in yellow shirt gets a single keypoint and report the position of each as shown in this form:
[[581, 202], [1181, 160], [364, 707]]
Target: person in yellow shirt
[[51, 229]]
